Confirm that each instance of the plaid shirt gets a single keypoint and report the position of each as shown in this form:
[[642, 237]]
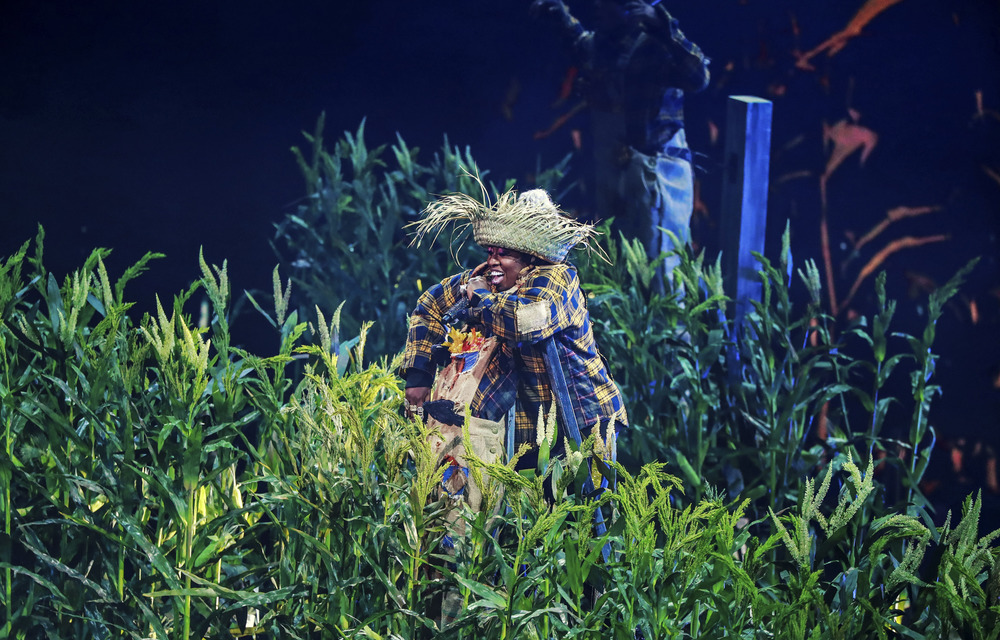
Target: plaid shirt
[[546, 303], [641, 75]]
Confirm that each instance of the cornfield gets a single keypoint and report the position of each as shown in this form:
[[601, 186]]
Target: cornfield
[[157, 482]]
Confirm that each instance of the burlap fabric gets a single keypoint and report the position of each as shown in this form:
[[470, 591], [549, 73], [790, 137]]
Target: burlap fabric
[[458, 382]]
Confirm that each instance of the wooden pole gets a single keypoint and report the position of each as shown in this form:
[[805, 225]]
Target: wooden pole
[[744, 202]]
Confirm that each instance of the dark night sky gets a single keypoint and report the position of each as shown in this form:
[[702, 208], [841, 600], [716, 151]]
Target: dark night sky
[[167, 126]]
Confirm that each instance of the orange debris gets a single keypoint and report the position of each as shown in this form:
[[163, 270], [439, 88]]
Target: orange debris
[[838, 41]]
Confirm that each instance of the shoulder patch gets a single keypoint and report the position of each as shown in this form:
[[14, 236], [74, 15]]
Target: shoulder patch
[[532, 317]]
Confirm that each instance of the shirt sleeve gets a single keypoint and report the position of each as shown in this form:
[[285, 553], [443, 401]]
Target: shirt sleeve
[[538, 308], [426, 325], [689, 68]]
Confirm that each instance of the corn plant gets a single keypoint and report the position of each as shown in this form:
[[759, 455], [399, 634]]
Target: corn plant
[[347, 240], [753, 413], [157, 482]]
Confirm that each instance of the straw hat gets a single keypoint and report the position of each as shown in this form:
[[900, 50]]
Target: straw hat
[[530, 223]]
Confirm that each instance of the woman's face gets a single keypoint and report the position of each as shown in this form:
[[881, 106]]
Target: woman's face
[[503, 266]]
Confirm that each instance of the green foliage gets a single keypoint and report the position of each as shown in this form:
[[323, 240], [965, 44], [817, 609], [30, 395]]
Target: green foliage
[[667, 353], [347, 241], [765, 413], [156, 482], [757, 413]]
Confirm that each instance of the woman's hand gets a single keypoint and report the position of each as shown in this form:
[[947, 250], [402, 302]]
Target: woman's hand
[[477, 280], [415, 397]]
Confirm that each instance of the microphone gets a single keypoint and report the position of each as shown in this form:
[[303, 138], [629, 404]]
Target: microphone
[[459, 312]]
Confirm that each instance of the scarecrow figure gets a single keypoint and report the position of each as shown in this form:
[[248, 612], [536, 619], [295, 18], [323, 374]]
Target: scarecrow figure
[[530, 349], [635, 66], [526, 300]]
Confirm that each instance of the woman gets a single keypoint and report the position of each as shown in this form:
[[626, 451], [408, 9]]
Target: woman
[[528, 297]]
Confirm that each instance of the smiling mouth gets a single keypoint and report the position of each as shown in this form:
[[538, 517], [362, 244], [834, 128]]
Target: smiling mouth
[[495, 277]]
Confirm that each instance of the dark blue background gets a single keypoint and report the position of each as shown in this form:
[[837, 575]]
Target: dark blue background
[[167, 126]]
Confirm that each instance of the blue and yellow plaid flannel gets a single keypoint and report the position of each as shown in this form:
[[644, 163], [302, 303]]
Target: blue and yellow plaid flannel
[[546, 302]]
